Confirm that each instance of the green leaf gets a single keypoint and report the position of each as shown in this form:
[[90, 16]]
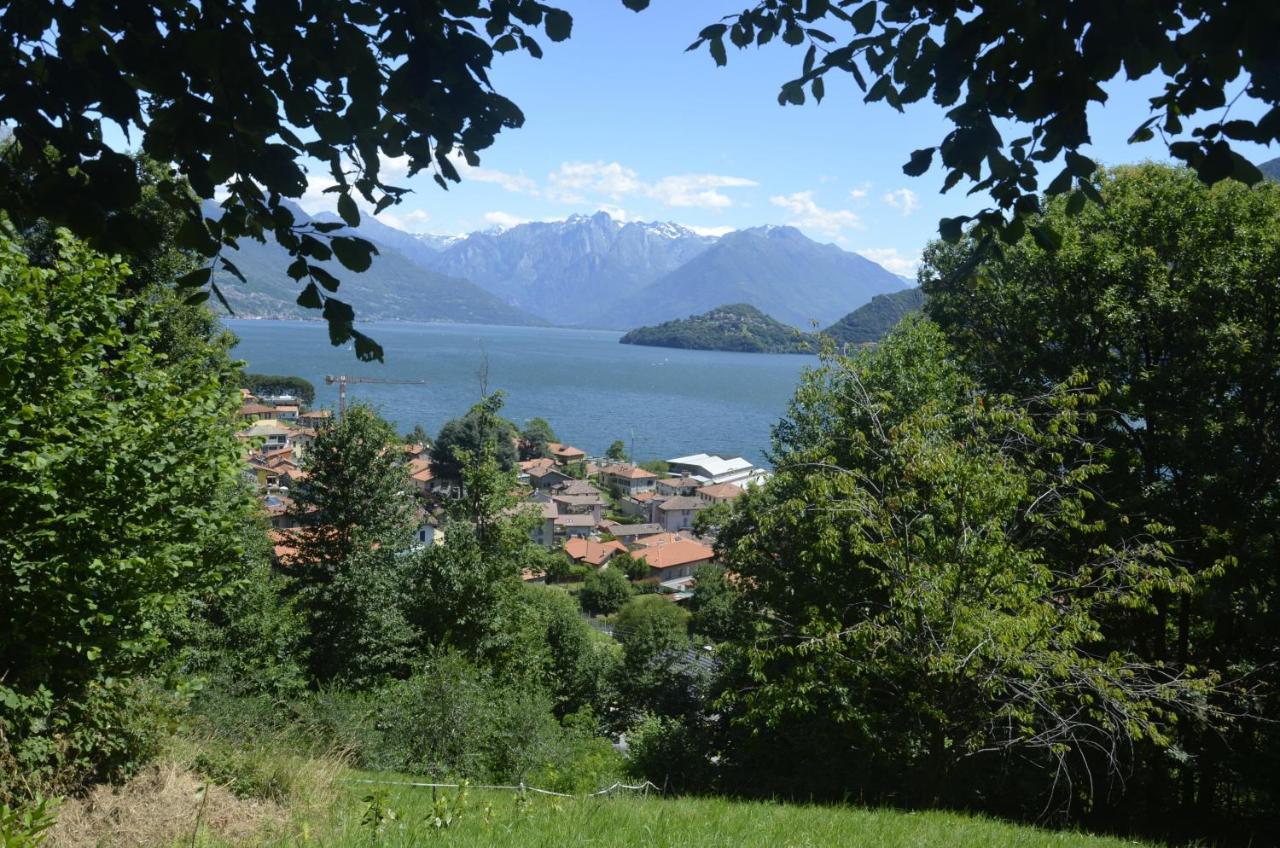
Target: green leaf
[[310, 298], [1076, 202], [367, 350], [231, 268], [1080, 166], [717, 52], [920, 161], [559, 24], [952, 229], [864, 18], [348, 211], [194, 279], [1046, 237], [323, 277], [1060, 183], [355, 254], [196, 297]]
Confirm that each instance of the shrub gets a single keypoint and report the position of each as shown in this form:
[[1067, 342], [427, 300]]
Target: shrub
[[605, 591]]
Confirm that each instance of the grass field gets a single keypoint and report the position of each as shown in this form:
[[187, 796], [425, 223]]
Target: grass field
[[408, 816], [214, 795]]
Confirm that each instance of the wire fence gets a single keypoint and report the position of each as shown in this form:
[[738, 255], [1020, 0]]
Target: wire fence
[[521, 787]]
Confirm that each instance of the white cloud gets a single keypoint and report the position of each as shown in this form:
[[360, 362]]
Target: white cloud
[[807, 214], [711, 231], [617, 213], [697, 190], [504, 219], [893, 259], [573, 181], [410, 221], [904, 199], [860, 192], [610, 179]]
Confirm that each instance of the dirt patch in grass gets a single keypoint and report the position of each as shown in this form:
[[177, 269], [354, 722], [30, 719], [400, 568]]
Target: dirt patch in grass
[[163, 804]]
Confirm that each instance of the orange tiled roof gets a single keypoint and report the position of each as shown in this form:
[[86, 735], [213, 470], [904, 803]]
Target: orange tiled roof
[[672, 554], [565, 450], [630, 472], [724, 491], [592, 553]]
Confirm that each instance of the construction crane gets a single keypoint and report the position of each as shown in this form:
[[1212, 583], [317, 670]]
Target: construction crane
[[343, 379]]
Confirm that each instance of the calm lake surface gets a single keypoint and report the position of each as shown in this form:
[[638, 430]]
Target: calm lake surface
[[590, 388]]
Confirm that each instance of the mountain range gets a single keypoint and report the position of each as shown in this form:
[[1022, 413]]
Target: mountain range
[[587, 271], [394, 288]]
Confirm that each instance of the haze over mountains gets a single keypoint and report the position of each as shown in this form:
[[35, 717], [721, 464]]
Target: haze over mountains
[[589, 271]]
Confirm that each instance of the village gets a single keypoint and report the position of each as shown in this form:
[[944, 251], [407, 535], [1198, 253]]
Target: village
[[588, 509]]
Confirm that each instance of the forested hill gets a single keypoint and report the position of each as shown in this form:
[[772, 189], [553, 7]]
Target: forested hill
[[1271, 168], [870, 322], [736, 327]]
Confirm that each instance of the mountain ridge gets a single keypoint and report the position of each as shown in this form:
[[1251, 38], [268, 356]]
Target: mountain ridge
[[776, 269]]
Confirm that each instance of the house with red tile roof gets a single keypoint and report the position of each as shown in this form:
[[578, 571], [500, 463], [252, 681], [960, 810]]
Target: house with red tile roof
[[715, 493], [590, 552], [625, 479], [674, 559], [565, 454]]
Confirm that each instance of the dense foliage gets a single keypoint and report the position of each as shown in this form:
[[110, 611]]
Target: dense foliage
[[278, 384], [112, 526], [471, 434], [995, 64], [872, 321], [736, 327], [928, 635], [237, 97], [1168, 298]]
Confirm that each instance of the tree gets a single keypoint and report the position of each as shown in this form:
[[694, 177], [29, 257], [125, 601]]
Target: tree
[[275, 384], [355, 494], [658, 674], [617, 451], [939, 614], [417, 436], [534, 438], [1166, 295], [263, 88], [605, 591], [464, 592], [993, 63], [634, 567], [713, 604], [357, 520], [112, 525], [473, 433]]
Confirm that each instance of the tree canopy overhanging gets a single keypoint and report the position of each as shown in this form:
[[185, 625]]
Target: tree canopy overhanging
[[242, 98], [1036, 65], [238, 97]]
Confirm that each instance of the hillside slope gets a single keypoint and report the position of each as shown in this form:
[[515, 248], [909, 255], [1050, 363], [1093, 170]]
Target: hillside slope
[[1271, 168], [737, 327], [872, 321], [775, 269], [393, 288]]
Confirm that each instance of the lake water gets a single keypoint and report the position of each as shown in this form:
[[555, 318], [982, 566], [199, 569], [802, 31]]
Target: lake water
[[591, 389]]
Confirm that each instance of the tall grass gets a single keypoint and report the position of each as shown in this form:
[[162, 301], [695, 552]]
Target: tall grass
[[399, 817]]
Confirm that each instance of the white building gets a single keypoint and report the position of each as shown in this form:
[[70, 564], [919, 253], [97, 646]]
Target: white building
[[710, 468]]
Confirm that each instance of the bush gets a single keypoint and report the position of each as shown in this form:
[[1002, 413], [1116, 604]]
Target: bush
[[605, 591]]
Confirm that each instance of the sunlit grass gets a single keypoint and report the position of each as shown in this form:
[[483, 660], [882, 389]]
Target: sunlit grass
[[412, 816]]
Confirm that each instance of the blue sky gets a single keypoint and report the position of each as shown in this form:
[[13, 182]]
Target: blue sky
[[620, 118]]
